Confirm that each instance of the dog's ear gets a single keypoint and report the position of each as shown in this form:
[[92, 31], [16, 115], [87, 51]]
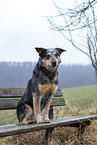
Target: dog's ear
[[60, 50], [40, 50]]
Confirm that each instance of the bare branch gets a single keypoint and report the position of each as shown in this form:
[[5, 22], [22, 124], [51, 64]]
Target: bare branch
[[80, 19]]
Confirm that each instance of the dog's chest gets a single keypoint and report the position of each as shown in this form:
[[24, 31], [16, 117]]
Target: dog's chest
[[48, 86]]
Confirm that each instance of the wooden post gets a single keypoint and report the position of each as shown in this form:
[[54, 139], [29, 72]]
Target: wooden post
[[51, 112]]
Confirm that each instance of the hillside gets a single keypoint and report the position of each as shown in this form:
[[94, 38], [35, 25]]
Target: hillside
[[81, 97]]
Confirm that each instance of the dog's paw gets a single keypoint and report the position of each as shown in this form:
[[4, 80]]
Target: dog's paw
[[26, 122], [47, 120], [40, 121]]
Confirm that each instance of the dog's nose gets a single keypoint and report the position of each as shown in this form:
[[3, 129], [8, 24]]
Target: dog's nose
[[53, 63]]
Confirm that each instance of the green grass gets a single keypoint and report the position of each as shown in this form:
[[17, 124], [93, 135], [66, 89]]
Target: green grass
[[8, 117], [79, 101], [81, 98]]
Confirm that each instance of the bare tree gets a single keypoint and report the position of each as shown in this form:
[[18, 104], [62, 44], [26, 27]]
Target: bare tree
[[82, 19]]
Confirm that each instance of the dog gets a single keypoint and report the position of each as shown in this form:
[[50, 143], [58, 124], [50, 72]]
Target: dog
[[40, 88]]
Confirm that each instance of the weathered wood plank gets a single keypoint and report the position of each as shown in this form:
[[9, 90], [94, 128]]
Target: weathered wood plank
[[58, 101], [12, 91], [59, 93], [12, 103], [13, 129], [8, 104], [19, 94]]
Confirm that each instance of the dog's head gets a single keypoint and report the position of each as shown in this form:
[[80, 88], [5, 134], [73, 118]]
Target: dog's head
[[50, 58]]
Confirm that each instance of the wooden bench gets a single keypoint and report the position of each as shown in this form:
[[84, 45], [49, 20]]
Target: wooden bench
[[9, 99]]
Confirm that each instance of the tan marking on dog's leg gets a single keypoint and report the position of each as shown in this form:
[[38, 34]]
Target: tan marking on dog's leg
[[47, 107], [29, 113], [37, 108]]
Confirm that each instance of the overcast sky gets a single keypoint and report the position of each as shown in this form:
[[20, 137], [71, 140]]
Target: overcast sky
[[22, 28]]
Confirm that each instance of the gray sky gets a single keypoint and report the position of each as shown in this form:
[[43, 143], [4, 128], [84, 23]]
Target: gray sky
[[22, 28]]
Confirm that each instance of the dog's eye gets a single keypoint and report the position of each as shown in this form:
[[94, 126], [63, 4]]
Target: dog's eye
[[48, 56], [56, 55]]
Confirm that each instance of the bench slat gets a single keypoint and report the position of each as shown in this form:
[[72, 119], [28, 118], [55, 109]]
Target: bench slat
[[13, 129], [8, 104], [14, 93], [58, 93], [12, 103], [58, 102]]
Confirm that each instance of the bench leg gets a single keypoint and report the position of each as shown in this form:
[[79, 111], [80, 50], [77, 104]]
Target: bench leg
[[51, 112], [82, 127], [48, 133], [49, 130]]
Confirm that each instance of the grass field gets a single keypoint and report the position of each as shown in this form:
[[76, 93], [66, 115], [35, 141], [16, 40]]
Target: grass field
[[83, 99], [80, 101]]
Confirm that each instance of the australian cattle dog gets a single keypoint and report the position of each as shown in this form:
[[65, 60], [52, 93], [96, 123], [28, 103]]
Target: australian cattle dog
[[41, 87]]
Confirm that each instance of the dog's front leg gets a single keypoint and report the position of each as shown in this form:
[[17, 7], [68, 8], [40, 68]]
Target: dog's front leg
[[37, 108], [47, 107]]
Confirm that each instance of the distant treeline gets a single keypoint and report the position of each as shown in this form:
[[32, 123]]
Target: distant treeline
[[17, 74]]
